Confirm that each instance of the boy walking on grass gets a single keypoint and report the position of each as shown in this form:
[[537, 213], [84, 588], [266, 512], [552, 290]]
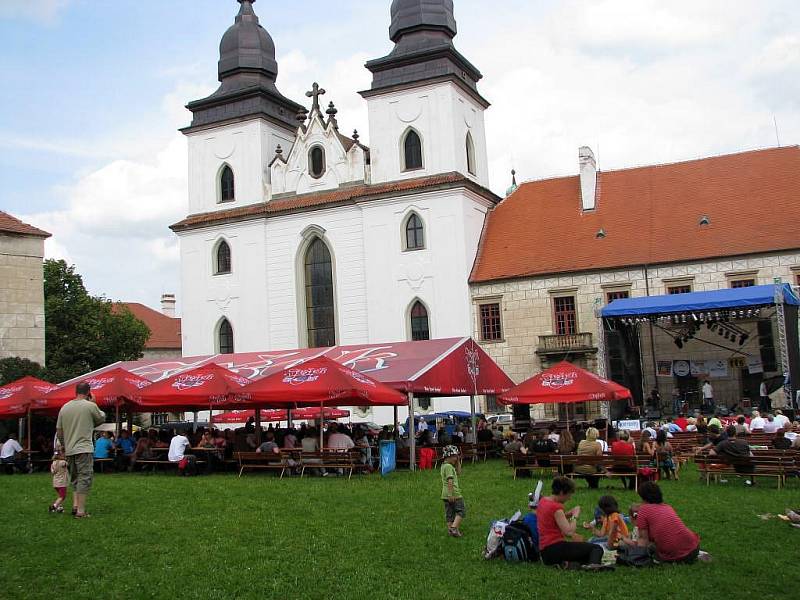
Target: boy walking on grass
[[454, 508]]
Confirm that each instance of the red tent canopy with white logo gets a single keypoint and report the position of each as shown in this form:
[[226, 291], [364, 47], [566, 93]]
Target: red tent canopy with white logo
[[443, 367], [210, 386], [18, 396], [108, 389], [318, 382], [562, 384]]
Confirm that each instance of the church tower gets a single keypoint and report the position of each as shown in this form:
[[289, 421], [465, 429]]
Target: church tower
[[425, 111], [235, 131]]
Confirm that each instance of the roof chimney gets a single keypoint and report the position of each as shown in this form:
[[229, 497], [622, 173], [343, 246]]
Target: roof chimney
[[588, 170], [168, 305]]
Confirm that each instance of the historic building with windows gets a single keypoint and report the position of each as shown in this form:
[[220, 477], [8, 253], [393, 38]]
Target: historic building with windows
[[21, 290], [554, 251], [299, 235]]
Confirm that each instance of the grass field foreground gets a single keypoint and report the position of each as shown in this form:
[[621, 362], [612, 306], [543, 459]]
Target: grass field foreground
[[259, 537]]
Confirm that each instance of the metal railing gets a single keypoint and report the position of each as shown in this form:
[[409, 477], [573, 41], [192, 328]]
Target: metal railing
[[565, 343]]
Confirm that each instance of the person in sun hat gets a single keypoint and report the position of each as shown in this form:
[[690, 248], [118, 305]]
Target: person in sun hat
[[454, 508]]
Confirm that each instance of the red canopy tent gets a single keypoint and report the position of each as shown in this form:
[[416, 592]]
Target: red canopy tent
[[108, 390], [275, 415], [565, 383], [16, 397], [319, 382], [442, 367], [204, 387]]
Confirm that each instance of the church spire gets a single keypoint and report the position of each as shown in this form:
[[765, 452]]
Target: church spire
[[423, 32], [247, 72], [247, 46]]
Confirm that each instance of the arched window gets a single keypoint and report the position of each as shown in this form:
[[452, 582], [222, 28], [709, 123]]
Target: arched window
[[225, 337], [316, 162], [415, 233], [412, 151], [420, 328], [222, 260], [470, 154], [320, 312], [227, 189]]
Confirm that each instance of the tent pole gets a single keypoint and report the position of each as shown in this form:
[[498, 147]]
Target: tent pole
[[289, 418], [29, 429], [396, 422], [118, 421], [321, 426], [412, 438], [130, 419], [472, 417], [194, 425], [258, 426]]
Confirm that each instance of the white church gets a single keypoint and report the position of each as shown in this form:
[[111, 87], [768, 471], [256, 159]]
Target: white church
[[298, 235]]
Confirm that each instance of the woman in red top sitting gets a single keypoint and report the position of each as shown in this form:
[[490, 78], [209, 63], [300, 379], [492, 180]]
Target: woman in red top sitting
[[556, 526], [624, 447], [662, 528]]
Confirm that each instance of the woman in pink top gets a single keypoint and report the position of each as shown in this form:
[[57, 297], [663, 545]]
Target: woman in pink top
[[661, 527]]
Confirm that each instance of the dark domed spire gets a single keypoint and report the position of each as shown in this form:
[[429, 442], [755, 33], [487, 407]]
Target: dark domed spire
[[418, 15], [247, 46], [423, 32], [247, 72]]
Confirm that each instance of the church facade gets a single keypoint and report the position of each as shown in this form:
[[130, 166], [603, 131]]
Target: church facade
[[299, 235]]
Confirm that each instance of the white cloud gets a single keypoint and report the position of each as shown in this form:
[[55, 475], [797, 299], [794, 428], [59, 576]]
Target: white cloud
[[42, 11]]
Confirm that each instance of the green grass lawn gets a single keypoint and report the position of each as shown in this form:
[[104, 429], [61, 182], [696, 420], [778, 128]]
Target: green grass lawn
[[259, 537]]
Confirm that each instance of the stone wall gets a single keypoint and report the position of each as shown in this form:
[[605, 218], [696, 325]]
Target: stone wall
[[527, 310], [21, 297]]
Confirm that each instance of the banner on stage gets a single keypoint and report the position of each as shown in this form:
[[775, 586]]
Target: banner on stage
[[664, 368], [629, 425], [717, 368], [754, 365], [700, 367], [681, 368]]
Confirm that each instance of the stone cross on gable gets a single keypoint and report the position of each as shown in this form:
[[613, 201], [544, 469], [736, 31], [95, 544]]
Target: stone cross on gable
[[315, 93]]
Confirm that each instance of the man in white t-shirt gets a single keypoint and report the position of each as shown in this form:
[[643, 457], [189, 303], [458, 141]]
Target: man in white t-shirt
[[781, 419], [757, 422], [9, 451], [177, 454], [770, 426], [708, 397], [766, 405]]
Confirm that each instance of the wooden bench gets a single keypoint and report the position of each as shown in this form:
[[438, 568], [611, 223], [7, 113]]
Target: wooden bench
[[606, 466], [774, 466], [264, 461], [543, 463], [349, 461]]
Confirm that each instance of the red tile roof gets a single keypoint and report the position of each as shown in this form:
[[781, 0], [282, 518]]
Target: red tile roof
[[344, 195], [165, 332], [9, 224], [650, 215]]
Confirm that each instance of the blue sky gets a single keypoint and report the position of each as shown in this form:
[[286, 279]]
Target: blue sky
[[93, 94]]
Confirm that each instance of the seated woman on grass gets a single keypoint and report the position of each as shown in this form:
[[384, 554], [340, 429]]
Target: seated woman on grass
[[556, 526], [662, 529]]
